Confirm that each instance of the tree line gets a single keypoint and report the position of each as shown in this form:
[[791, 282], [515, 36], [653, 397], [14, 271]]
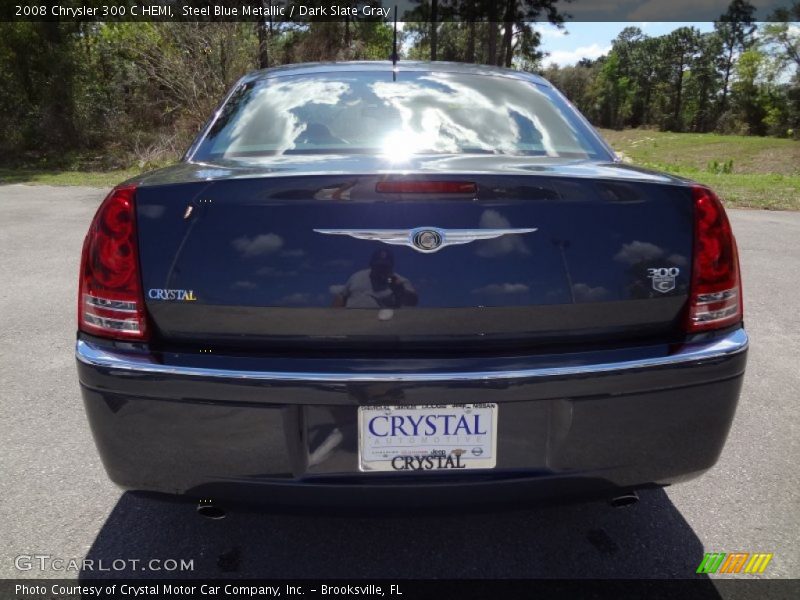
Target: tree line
[[739, 78], [108, 95]]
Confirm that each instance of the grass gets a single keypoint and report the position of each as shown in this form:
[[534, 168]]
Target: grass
[[747, 172], [101, 179]]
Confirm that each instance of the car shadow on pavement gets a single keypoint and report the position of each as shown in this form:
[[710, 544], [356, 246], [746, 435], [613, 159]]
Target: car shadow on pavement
[[593, 539]]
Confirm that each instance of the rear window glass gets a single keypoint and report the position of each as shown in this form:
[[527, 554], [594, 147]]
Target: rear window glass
[[420, 113]]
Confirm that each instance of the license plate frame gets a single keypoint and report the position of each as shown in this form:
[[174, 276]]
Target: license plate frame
[[457, 444]]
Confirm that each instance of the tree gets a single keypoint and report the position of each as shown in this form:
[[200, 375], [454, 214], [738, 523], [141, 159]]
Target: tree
[[576, 82], [645, 58], [264, 30], [783, 32], [434, 25], [519, 34], [679, 49], [781, 37], [749, 95], [634, 64], [613, 92], [481, 31], [115, 94], [735, 29], [703, 83]]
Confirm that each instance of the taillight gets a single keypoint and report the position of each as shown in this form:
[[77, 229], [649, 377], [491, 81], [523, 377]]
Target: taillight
[[716, 297], [426, 187], [110, 302]]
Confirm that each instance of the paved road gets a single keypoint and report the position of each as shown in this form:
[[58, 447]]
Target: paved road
[[56, 500]]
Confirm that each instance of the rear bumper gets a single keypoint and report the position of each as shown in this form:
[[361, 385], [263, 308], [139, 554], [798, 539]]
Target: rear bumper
[[235, 428]]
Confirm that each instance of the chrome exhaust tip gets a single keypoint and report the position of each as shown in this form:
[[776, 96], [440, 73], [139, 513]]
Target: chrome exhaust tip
[[210, 511], [627, 499]]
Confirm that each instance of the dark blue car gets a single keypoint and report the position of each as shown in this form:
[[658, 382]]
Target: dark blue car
[[430, 283]]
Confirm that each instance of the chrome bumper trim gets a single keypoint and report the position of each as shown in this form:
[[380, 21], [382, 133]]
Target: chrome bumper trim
[[97, 356]]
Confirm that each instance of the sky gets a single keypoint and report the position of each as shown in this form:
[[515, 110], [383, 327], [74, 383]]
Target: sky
[[593, 39]]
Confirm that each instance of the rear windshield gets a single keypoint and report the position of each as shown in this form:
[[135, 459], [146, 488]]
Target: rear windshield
[[420, 113]]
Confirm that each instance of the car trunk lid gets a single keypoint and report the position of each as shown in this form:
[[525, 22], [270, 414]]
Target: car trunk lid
[[283, 260]]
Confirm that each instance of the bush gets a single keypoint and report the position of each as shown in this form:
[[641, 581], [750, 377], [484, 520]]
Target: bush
[[720, 168]]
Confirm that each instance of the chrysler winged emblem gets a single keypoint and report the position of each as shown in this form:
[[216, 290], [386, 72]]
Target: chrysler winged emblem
[[425, 239]]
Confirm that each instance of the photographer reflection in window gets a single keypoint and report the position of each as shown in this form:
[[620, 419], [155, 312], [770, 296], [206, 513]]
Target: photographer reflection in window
[[377, 287]]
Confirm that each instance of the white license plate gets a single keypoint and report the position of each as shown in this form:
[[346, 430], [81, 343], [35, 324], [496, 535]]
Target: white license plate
[[419, 439]]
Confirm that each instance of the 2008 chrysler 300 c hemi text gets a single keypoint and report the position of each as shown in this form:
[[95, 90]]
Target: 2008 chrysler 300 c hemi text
[[429, 283]]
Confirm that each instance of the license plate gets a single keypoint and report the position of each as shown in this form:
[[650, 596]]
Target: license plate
[[418, 439]]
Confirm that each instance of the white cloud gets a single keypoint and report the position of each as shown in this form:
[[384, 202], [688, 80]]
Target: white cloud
[[637, 252], [551, 32], [507, 244], [261, 244], [586, 293], [570, 57], [678, 259]]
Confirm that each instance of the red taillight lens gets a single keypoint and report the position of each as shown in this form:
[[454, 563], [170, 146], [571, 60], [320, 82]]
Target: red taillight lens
[[716, 297], [110, 302], [426, 187]]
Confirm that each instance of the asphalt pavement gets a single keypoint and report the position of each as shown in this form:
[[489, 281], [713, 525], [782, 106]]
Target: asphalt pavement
[[55, 498]]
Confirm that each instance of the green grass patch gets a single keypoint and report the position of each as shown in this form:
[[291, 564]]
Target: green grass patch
[[771, 191], [100, 179], [746, 171]]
